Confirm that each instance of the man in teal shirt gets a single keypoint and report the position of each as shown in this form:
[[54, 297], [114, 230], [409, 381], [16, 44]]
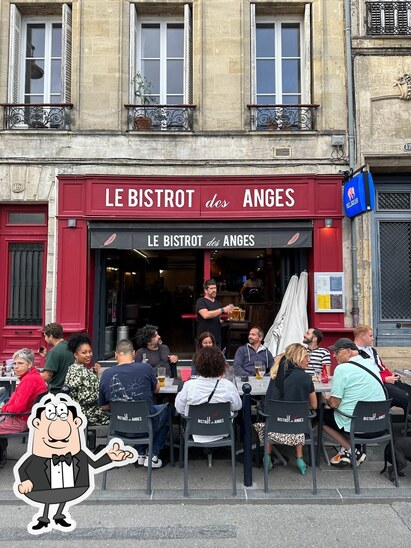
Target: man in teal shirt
[[58, 359], [350, 385]]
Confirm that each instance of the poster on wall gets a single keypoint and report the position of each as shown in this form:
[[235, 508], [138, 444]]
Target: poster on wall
[[329, 291]]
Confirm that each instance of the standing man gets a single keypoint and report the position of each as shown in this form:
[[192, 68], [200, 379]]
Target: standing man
[[318, 356], [253, 351], [350, 385], [135, 381], [251, 291], [398, 391], [209, 311], [58, 359], [157, 354]]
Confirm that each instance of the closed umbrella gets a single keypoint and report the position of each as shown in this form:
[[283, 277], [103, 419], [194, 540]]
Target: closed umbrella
[[274, 334], [296, 320]]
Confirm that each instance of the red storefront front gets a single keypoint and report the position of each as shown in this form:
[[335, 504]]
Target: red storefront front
[[129, 244]]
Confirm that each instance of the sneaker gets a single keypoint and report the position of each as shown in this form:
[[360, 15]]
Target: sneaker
[[360, 456], [341, 458], [141, 459], [155, 462]]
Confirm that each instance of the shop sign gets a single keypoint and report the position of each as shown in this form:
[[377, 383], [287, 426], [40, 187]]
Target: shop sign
[[358, 195], [194, 200], [196, 235]]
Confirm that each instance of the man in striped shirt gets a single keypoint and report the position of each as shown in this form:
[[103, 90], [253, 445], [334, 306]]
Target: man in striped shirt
[[318, 356]]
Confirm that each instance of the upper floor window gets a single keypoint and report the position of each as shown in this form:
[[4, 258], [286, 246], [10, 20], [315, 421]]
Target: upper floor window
[[389, 17], [40, 55], [280, 69], [278, 62], [161, 54]]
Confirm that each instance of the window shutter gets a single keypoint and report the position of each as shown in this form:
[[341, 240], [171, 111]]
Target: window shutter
[[66, 55], [188, 50], [133, 46], [306, 77], [253, 54], [253, 93], [14, 54]]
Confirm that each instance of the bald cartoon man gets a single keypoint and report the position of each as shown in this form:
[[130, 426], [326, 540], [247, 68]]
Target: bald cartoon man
[[56, 470]]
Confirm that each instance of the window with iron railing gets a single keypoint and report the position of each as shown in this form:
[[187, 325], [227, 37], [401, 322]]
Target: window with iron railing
[[160, 69], [39, 76], [389, 17]]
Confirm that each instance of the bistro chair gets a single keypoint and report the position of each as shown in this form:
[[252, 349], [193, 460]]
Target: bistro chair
[[131, 422], [209, 419], [289, 417], [22, 435], [370, 418]]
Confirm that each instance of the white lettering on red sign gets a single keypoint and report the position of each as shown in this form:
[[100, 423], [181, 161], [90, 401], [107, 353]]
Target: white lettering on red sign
[[268, 197], [168, 198], [151, 198]]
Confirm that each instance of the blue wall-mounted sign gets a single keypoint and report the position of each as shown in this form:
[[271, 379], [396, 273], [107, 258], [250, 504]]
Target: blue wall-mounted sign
[[359, 195]]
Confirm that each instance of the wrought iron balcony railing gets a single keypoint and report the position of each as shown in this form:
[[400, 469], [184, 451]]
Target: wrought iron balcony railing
[[388, 17], [160, 117], [283, 117], [55, 116]]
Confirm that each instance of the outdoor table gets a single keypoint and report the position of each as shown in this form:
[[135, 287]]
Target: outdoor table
[[404, 372], [12, 379], [253, 387]]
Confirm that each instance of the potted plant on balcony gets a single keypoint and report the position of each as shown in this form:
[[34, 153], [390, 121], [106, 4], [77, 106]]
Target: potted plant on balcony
[[142, 90]]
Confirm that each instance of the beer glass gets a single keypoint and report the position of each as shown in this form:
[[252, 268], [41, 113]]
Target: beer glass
[[259, 370], [236, 313], [242, 314], [161, 375]]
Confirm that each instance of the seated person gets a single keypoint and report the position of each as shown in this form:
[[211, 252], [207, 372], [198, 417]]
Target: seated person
[[152, 350], [252, 290], [290, 383], [82, 381], [253, 351], [205, 339], [31, 385], [133, 381], [209, 387]]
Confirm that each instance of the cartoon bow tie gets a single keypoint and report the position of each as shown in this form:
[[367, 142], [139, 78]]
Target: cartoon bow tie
[[67, 458]]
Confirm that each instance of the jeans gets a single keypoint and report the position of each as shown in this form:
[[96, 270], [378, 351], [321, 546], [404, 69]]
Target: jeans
[[160, 429]]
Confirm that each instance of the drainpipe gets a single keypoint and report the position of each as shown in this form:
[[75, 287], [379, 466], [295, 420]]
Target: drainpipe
[[351, 156]]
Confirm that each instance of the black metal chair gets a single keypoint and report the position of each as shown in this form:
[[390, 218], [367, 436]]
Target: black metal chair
[[131, 422], [209, 419], [368, 419], [22, 435], [289, 417]]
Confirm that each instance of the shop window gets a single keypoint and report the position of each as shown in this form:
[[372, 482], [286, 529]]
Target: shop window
[[25, 289], [161, 67], [40, 66], [280, 70]]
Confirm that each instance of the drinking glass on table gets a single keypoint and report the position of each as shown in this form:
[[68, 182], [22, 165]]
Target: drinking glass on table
[[259, 370], [242, 314], [161, 375]]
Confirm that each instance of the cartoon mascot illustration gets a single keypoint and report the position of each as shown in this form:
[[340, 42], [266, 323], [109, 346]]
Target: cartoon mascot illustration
[[58, 469]]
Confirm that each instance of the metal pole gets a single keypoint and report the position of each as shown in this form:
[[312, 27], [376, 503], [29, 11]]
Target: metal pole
[[248, 464], [351, 155]]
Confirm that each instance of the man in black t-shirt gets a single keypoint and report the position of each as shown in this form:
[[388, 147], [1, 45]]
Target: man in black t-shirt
[[209, 311]]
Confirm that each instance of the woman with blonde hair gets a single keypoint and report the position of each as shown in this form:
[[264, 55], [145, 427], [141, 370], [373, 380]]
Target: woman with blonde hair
[[290, 382]]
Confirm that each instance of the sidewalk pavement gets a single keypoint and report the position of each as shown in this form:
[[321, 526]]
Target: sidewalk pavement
[[127, 485]]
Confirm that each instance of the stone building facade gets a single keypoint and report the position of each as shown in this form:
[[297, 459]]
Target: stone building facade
[[232, 119]]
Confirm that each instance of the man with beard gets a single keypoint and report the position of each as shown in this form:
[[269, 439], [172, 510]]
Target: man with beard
[[153, 351], [318, 356], [209, 311], [253, 351]]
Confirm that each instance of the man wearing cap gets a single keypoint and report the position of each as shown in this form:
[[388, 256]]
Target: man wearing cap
[[350, 385]]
